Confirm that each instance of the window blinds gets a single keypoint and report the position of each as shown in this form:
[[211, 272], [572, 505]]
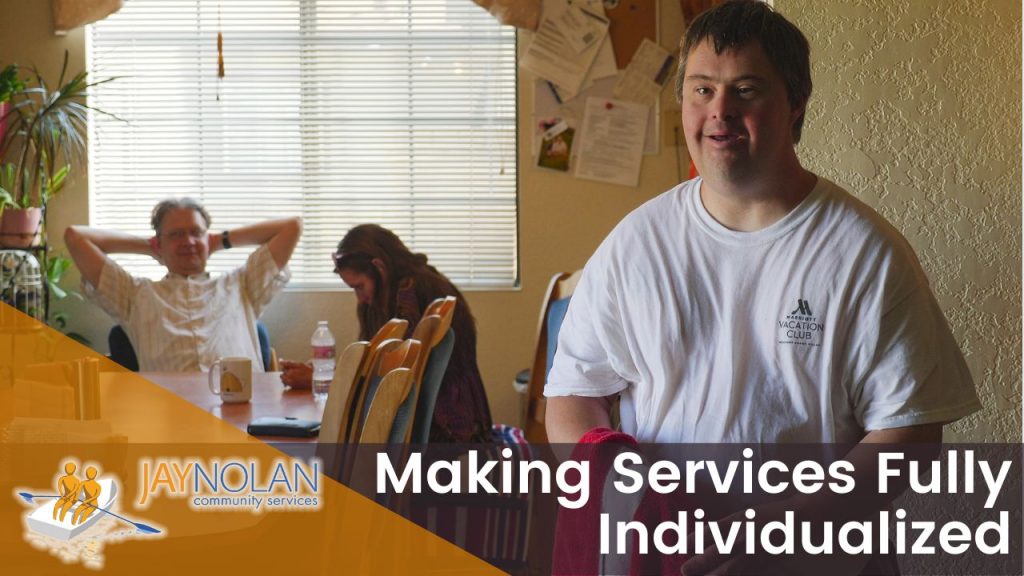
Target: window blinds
[[399, 112]]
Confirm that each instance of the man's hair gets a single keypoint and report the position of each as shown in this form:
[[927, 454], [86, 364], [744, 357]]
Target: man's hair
[[734, 24], [161, 210]]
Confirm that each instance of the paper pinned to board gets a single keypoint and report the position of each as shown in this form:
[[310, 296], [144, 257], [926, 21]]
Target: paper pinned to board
[[646, 75], [556, 147], [578, 31], [604, 65], [552, 57], [547, 108], [611, 141]]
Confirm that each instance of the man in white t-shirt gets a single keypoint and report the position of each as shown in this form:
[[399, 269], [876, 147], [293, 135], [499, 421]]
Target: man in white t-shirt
[[758, 302], [189, 318]]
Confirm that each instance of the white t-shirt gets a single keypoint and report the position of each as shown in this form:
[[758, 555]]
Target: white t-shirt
[[184, 323], [816, 329]]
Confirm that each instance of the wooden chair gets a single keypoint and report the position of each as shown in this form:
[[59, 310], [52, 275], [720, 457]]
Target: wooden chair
[[434, 331], [342, 388], [346, 397], [443, 307], [387, 388], [387, 385], [556, 302], [355, 398], [343, 427], [424, 333]]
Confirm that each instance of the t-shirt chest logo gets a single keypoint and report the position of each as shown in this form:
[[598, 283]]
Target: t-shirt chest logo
[[801, 326]]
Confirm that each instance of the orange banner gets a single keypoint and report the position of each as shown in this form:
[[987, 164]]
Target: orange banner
[[174, 488]]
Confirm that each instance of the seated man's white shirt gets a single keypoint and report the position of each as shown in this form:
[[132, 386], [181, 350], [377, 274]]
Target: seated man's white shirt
[[816, 329], [183, 324]]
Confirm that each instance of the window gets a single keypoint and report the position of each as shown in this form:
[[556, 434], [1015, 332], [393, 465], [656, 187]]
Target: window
[[399, 112]]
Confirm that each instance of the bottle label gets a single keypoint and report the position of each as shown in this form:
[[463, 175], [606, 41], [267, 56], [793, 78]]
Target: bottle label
[[323, 352]]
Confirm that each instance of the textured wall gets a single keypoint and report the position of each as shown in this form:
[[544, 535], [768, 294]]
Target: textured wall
[[917, 110]]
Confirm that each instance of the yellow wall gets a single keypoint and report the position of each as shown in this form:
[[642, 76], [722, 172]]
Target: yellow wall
[[906, 112]]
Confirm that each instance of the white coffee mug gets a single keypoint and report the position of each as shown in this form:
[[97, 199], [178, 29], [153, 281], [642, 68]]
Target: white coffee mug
[[231, 379]]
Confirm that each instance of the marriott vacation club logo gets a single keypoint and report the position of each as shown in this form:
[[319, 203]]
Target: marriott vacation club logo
[[801, 326]]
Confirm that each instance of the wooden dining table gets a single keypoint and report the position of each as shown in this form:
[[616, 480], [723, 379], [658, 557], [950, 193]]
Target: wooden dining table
[[269, 398]]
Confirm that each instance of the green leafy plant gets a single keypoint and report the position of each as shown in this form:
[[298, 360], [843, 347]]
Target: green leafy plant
[[45, 130], [9, 194], [56, 267], [45, 134], [9, 82]]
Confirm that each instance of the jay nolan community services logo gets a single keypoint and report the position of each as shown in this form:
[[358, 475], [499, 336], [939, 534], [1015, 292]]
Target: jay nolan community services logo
[[77, 518]]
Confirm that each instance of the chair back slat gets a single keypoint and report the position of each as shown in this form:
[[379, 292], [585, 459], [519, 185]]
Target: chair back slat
[[393, 359], [367, 383], [427, 333], [443, 308], [559, 291], [404, 355], [434, 326], [433, 376], [342, 388], [380, 415]]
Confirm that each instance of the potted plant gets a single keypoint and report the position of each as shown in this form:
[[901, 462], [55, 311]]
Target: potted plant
[[45, 133], [21, 221]]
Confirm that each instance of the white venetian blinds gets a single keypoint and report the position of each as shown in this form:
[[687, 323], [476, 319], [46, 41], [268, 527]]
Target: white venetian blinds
[[399, 112]]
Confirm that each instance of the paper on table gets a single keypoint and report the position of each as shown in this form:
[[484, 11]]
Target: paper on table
[[611, 142], [551, 57], [646, 74]]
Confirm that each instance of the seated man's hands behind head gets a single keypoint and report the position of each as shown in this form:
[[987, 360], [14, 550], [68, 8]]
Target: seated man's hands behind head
[[154, 250], [296, 374]]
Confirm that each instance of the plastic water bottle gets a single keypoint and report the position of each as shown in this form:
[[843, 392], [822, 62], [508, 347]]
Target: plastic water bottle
[[323, 360]]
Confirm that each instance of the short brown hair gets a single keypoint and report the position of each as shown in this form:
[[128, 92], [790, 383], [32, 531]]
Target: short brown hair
[[736, 23], [161, 210]]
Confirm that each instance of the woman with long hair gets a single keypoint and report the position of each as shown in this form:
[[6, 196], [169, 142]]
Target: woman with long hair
[[390, 281]]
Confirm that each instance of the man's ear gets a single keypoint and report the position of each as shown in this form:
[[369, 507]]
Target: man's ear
[[796, 112]]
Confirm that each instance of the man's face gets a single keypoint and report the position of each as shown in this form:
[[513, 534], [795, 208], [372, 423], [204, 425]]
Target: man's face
[[183, 244], [736, 115]]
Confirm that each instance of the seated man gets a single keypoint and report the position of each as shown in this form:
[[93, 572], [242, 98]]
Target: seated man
[[758, 302], [188, 319]]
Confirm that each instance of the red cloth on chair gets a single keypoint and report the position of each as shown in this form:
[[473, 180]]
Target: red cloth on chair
[[577, 533]]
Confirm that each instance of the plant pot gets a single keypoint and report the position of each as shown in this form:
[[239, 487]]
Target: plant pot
[[20, 227]]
